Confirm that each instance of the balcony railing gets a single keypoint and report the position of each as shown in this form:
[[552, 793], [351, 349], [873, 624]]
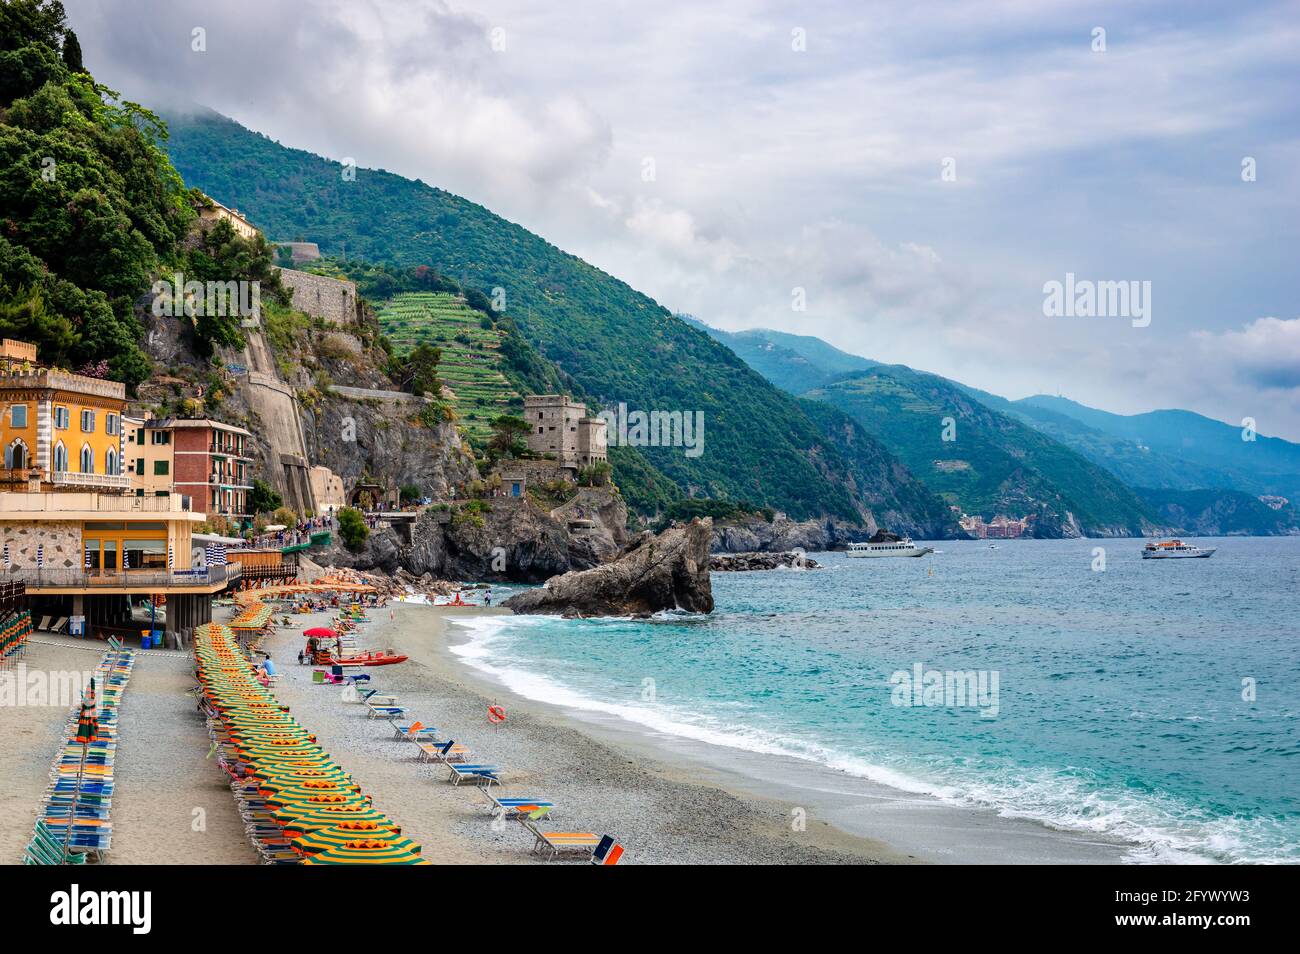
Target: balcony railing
[[228, 450], [50, 504], [144, 581], [66, 478]]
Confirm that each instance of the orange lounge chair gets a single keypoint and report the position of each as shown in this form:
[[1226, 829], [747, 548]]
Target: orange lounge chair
[[557, 841]]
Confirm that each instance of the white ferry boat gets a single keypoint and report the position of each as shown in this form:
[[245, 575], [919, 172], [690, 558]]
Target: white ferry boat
[[889, 548], [1175, 550]]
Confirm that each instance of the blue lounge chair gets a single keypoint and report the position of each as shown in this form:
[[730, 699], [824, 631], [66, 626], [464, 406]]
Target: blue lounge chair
[[478, 774]]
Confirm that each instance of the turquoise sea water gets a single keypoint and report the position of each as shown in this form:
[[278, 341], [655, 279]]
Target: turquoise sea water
[[1119, 706]]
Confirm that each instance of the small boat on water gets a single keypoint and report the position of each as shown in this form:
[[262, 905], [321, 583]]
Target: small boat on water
[[1175, 550], [886, 544]]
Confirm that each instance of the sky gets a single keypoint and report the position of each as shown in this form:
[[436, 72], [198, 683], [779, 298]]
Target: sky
[[904, 180]]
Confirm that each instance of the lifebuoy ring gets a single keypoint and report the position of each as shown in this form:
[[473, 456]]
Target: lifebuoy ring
[[496, 714]]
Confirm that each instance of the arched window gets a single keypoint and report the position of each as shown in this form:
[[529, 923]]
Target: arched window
[[110, 461], [60, 457], [87, 459], [16, 456]]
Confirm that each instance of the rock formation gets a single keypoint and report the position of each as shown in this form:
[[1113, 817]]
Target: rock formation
[[756, 534], [741, 562], [667, 571]]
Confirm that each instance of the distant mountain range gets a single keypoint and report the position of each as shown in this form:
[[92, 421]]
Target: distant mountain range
[[1170, 468], [793, 423]]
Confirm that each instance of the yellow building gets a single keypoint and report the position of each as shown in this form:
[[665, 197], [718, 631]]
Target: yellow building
[[60, 429], [209, 215], [70, 531], [150, 461]]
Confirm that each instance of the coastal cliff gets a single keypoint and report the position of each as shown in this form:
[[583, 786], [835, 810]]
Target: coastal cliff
[[755, 533], [496, 540]]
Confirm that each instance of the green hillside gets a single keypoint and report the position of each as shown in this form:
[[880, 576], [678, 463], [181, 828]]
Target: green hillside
[[616, 343], [898, 500], [794, 363], [1206, 452], [90, 208], [471, 363], [995, 465], [1220, 512]]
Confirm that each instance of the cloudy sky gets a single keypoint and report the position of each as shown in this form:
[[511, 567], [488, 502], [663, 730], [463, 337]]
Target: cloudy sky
[[919, 170]]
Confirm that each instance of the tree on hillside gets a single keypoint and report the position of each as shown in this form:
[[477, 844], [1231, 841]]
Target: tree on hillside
[[92, 207], [72, 53], [508, 437], [417, 373], [262, 498], [222, 255], [352, 529]]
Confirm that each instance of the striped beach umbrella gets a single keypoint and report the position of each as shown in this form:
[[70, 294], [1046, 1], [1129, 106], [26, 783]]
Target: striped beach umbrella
[[40, 555], [126, 558], [340, 836], [171, 557], [87, 558], [209, 554], [7, 555], [368, 852], [298, 819], [307, 800]]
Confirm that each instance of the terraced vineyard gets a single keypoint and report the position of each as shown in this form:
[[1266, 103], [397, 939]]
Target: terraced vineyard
[[471, 353]]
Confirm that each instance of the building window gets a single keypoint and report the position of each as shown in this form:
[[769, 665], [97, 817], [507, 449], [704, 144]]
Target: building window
[[87, 459], [160, 468], [139, 466], [60, 457], [110, 462], [88, 425], [162, 437], [16, 457], [139, 436], [61, 418], [110, 424], [18, 415]]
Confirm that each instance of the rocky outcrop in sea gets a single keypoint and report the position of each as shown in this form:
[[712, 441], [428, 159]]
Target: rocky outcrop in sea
[[656, 572], [743, 562]]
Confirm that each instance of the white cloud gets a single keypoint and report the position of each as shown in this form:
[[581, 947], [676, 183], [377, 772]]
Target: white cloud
[[1265, 352], [818, 169]]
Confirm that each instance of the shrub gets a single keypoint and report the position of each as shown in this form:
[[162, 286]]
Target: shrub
[[353, 529]]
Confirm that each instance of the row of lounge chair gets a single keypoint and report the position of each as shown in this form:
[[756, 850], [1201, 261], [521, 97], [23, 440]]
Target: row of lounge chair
[[462, 769], [75, 811], [298, 805]]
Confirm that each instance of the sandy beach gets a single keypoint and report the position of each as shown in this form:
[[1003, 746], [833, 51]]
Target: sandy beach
[[667, 799], [660, 815]]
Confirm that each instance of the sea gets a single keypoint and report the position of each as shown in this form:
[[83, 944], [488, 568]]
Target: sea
[[1154, 703]]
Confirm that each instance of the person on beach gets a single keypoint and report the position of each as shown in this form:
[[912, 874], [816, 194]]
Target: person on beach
[[487, 598], [267, 665]]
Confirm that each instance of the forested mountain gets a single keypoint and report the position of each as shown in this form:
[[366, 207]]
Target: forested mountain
[[794, 363], [616, 344], [1175, 451], [1205, 452], [983, 461], [90, 208]]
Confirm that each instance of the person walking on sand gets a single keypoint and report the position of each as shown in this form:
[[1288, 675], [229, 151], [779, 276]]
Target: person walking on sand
[[487, 598]]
